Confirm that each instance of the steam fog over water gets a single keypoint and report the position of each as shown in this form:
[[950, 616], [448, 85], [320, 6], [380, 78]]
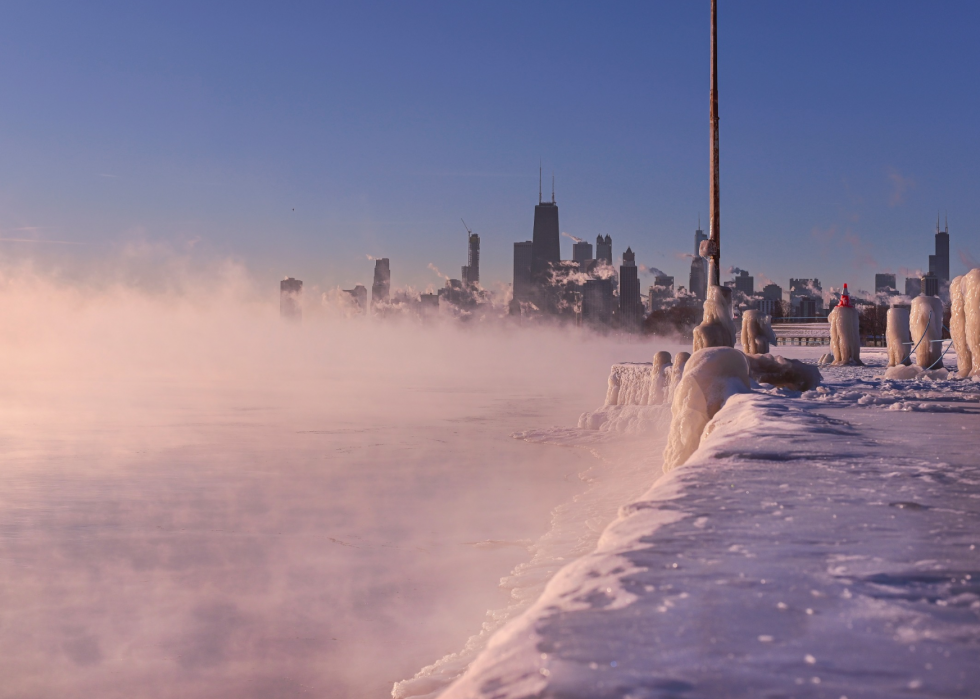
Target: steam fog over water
[[197, 500]]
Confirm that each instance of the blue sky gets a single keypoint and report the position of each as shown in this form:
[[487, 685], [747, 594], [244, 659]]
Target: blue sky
[[300, 138]]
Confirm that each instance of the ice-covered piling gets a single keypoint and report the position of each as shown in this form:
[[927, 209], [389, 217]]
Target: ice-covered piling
[[897, 336], [676, 374], [845, 335], [710, 377], [659, 379], [757, 332], [964, 324], [718, 328], [926, 324]]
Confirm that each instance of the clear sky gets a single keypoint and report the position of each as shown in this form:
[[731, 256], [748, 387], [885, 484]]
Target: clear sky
[[300, 138]]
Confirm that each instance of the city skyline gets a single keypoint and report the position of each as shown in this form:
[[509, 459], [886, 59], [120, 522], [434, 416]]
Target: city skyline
[[310, 180]]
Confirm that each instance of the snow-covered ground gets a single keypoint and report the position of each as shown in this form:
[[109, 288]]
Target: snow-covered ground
[[823, 544]]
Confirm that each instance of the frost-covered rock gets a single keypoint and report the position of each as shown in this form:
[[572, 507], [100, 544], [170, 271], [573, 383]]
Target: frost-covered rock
[[845, 336], [718, 327], [676, 374], [757, 332], [926, 324], [897, 336], [711, 376], [783, 373], [659, 378]]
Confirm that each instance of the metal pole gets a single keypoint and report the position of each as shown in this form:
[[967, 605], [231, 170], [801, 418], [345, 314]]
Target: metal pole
[[714, 236]]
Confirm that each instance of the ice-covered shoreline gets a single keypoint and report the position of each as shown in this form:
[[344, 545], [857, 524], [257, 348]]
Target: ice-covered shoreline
[[812, 546]]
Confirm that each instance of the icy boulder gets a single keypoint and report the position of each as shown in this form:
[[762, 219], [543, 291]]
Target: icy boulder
[[845, 337], [897, 336], [677, 372], [659, 377], [926, 324], [964, 324], [757, 332], [783, 373], [718, 328], [711, 376]]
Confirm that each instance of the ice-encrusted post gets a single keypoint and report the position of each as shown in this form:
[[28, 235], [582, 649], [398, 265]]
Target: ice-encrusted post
[[756, 332], [897, 335], [926, 324], [964, 323], [845, 333]]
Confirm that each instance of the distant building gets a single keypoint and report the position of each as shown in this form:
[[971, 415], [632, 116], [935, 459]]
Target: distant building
[[772, 292], [806, 307], [597, 301], [359, 296], [699, 236], [699, 277], [885, 284], [913, 286], [769, 306], [582, 251], [929, 284], [291, 299], [660, 292], [630, 303], [939, 263], [522, 270], [381, 288], [801, 290], [545, 238], [471, 270], [428, 304], [603, 249], [744, 283]]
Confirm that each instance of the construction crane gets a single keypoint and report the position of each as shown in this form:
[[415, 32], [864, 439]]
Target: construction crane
[[466, 227]]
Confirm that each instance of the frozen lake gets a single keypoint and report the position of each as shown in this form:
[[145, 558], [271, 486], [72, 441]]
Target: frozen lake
[[197, 506]]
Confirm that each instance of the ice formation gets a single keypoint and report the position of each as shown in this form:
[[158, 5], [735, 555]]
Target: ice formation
[[845, 337], [659, 378], [711, 376], [783, 373], [757, 332], [897, 336], [629, 384], [676, 374], [926, 325], [964, 324], [718, 328]]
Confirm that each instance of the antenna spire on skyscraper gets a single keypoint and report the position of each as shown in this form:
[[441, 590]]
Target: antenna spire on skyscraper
[[540, 197], [552, 186]]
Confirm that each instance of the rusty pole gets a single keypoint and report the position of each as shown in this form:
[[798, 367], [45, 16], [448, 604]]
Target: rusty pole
[[714, 233]]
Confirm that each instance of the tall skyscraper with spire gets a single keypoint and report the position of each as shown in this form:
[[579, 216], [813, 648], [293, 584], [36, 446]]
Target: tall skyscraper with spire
[[546, 238], [630, 301], [471, 270], [939, 263]]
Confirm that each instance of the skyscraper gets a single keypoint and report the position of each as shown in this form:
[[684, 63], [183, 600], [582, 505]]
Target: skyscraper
[[806, 297], [522, 270], [603, 249], [698, 237], [359, 296], [939, 263], [381, 288], [913, 286], [929, 283], [546, 238], [291, 299], [744, 283], [471, 270], [885, 284], [581, 251], [630, 302], [597, 301], [699, 267]]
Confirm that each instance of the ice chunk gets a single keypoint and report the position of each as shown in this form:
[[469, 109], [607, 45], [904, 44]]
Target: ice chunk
[[845, 337], [926, 325], [757, 332], [784, 373], [659, 377], [680, 359], [711, 376], [897, 336], [718, 328]]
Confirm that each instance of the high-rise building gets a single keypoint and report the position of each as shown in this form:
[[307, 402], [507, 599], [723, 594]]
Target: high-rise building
[[582, 251], [381, 288], [660, 292], [291, 299], [603, 249], [471, 270], [359, 295], [929, 284], [522, 270], [699, 277], [772, 292], [913, 286], [699, 236], [597, 301], [744, 283], [885, 284], [630, 302], [939, 263], [808, 290], [546, 238]]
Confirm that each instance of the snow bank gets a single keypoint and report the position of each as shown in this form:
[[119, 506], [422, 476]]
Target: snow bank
[[711, 376], [845, 336], [718, 328], [926, 324], [783, 373], [659, 378], [680, 360], [897, 336], [757, 332], [964, 324]]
